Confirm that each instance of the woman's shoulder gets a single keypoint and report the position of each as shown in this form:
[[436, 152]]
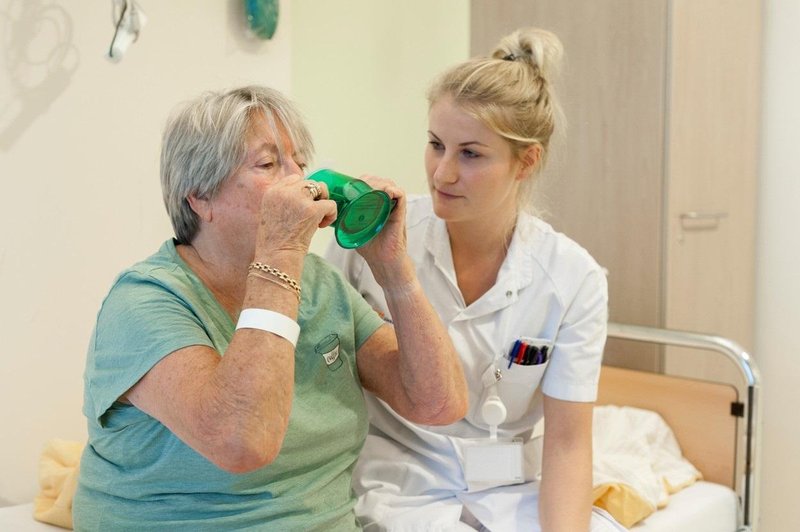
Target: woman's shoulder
[[162, 265]]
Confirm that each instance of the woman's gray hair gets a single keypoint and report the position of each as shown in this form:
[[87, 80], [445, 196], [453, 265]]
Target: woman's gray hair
[[204, 142], [511, 92]]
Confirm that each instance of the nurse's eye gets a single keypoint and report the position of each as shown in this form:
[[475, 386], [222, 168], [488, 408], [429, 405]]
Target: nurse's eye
[[469, 154], [436, 145]]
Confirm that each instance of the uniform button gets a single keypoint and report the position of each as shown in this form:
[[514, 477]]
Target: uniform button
[[509, 293]]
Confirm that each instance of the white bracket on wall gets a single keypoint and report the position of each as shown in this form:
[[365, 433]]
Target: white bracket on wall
[[128, 19]]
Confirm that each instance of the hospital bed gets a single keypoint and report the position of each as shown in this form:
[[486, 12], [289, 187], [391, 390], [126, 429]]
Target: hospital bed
[[715, 424]]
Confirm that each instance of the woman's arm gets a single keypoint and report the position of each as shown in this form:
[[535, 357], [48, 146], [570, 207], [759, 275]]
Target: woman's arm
[[412, 366], [234, 409], [565, 497]]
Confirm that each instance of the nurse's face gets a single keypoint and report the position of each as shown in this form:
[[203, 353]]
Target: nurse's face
[[472, 172]]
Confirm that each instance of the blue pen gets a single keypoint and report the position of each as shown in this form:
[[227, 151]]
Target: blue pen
[[512, 353]]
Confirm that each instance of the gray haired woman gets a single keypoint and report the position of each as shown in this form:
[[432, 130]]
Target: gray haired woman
[[223, 383]]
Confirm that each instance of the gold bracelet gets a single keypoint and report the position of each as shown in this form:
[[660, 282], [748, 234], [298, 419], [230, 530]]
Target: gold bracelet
[[277, 273], [256, 273]]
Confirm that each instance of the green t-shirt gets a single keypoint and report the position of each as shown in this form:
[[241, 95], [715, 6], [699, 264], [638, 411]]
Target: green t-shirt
[[137, 475]]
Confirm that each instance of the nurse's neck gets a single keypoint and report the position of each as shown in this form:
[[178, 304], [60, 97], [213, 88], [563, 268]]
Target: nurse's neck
[[475, 238], [478, 253]]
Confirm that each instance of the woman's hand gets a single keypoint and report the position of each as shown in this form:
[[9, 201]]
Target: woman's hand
[[386, 254], [290, 215]]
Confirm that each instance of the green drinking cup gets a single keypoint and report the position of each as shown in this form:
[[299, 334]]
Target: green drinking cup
[[361, 210]]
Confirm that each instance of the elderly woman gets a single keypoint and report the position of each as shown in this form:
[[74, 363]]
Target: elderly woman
[[223, 385]]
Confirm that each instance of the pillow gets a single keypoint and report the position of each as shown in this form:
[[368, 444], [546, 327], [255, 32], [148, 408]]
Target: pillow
[[58, 479], [637, 463]]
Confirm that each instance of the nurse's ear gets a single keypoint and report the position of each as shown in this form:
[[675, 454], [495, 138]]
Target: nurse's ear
[[529, 158], [201, 205]]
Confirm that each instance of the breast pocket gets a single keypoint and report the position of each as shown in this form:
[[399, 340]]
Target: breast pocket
[[520, 381]]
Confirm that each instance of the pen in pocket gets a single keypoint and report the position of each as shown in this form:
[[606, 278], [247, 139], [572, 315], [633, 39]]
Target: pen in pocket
[[525, 354], [513, 352]]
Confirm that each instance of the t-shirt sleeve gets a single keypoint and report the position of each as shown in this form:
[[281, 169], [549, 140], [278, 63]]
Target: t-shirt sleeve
[[348, 261], [574, 368], [355, 271], [365, 319], [140, 322]]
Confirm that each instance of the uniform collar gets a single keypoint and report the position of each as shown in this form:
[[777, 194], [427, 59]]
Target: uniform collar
[[515, 273]]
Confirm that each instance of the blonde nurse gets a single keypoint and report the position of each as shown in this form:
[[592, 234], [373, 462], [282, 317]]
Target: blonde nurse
[[525, 306]]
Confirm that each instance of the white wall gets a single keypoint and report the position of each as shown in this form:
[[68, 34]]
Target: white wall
[[79, 148], [778, 256], [79, 145], [360, 69]]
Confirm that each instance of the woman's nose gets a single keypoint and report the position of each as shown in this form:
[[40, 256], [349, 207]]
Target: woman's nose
[[290, 166]]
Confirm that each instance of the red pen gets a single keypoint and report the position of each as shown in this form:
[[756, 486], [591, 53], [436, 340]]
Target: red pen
[[518, 356]]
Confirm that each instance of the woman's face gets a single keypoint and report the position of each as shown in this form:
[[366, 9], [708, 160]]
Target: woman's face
[[267, 159], [472, 172]]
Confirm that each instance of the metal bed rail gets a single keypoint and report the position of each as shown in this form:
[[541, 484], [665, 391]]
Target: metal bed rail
[[751, 379]]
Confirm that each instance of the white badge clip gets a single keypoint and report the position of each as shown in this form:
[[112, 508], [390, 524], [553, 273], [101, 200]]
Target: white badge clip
[[493, 411], [494, 461]]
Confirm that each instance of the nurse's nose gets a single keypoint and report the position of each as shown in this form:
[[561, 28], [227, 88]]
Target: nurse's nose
[[446, 171]]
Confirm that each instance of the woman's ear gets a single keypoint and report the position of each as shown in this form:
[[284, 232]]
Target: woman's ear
[[529, 159], [201, 206]]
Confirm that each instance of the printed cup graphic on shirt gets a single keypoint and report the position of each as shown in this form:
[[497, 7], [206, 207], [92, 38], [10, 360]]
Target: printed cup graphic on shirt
[[328, 348]]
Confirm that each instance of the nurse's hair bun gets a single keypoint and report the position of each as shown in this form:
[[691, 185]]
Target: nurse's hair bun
[[538, 48]]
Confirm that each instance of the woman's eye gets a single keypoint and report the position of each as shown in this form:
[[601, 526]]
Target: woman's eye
[[266, 165], [469, 154]]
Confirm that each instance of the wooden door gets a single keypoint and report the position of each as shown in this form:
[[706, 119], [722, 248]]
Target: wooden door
[[604, 184], [713, 117]]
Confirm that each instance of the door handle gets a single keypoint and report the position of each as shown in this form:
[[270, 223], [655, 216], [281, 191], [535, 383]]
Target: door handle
[[695, 215], [700, 221]]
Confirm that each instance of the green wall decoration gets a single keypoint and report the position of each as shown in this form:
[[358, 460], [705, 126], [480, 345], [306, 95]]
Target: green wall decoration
[[262, 17]]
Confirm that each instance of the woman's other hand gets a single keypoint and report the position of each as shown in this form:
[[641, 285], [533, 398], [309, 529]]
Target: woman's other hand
[[290, 215]]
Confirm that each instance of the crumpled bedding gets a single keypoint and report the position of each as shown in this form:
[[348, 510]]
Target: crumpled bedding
[[637, 463], [58, 479]]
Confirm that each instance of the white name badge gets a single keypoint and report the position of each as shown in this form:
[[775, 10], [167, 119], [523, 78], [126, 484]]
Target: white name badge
[[489, 463]]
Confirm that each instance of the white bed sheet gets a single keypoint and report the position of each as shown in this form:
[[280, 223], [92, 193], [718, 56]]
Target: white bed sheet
[[19, 518], [701, 507]]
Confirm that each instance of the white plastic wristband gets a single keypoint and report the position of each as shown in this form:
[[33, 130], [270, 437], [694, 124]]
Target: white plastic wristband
[[267, 320]]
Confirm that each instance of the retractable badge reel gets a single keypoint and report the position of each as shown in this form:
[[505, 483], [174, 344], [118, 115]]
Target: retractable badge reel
[[493, 461]]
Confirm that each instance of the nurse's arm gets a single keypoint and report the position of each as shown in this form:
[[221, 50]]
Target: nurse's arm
[[413, 366], [565, 501]]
